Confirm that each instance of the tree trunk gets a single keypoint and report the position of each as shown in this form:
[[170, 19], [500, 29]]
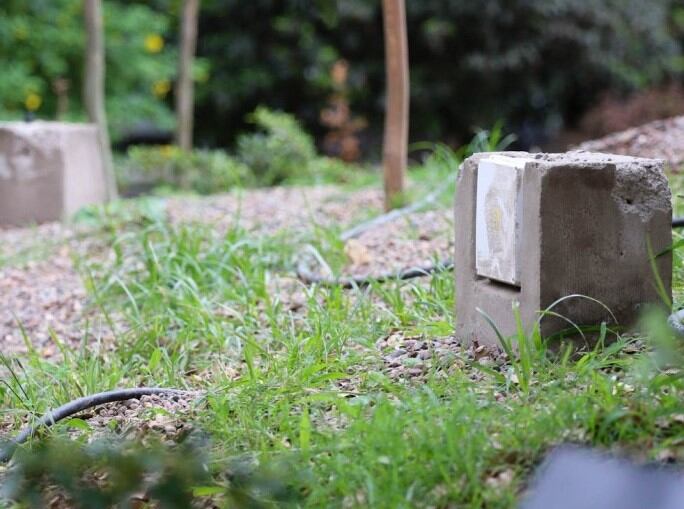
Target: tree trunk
[[395, 147], [94, 87], [185, 89]]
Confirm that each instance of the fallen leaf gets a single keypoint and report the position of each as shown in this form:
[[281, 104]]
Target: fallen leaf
[[357, 253]]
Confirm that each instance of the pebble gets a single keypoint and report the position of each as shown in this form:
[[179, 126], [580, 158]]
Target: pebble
[[487, 362], [396, 353], [425, 354], [412, 357]]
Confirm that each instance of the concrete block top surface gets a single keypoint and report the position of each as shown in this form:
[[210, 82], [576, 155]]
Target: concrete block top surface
[[641, 185], [45, 125]]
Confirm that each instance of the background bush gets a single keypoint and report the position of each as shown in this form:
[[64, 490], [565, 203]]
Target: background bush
[[280, 150], [202, 171]]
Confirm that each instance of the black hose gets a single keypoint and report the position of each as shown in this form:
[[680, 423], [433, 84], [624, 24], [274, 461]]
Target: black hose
[[78, 405], [359, 229], [305, 274]]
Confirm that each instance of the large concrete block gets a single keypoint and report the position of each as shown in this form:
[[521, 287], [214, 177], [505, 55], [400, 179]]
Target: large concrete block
[[48, 170], [534, 228]]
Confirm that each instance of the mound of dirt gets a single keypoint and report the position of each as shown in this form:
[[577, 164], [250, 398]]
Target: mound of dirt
[[662, 139]]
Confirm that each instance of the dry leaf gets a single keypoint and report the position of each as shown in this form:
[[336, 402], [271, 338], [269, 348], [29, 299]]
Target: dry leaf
[[357, 253]]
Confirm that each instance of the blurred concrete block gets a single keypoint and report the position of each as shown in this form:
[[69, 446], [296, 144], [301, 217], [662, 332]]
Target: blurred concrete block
[[573, 478], [534, 228], [48, 170]]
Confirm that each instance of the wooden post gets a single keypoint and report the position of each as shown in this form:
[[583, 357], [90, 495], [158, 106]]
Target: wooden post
[[94, 87], [185, 89], [395, 147]]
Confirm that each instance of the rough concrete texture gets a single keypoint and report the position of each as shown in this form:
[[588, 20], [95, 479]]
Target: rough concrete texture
[[586, 220], [48, 170]]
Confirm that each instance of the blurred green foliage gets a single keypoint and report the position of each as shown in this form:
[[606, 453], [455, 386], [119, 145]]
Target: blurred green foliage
[[537, 64], [201, 171], [281, 151], [42, 43], [105, 473]]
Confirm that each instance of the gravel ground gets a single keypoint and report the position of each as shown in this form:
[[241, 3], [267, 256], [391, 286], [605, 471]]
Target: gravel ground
[[268, 211], [662, 139], [168, 416], [42, 289], [42, 293], [412, 241], [47, 298], [415, 357]]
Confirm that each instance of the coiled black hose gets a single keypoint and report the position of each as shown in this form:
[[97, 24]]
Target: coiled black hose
[[78, 405]]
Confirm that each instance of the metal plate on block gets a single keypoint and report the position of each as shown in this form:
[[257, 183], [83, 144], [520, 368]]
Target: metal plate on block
[[497, 222]]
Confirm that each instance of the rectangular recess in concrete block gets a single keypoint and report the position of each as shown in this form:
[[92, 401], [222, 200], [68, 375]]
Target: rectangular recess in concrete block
[[497, 221]]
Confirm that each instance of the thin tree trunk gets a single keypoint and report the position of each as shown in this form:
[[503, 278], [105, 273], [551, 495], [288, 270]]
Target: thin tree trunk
[[395, 147], [94, 87], [185, 89]]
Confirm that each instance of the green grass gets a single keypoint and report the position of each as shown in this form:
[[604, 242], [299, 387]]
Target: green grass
[[306, 399]]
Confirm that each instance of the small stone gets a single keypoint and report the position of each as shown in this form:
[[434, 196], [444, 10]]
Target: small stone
[[415, 344], [425, 354], [487, 362], [396, 353]]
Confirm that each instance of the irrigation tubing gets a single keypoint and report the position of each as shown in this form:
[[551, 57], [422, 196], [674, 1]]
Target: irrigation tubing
[[78, 405], [308, 276], [359, 229]]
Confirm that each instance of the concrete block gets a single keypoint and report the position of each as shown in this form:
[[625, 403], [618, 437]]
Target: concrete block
[[534, 228], [48, 170]]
